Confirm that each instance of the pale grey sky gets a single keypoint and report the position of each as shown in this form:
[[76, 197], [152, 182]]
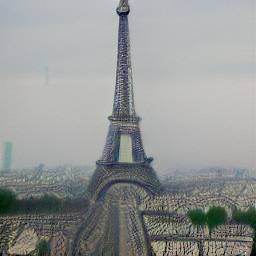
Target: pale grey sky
[[194, 79]]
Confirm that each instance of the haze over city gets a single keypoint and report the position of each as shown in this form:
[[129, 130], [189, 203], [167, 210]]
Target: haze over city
[[194, 80]]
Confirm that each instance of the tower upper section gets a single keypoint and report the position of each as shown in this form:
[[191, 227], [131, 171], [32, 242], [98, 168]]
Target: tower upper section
[[123, 107], [124, 142]]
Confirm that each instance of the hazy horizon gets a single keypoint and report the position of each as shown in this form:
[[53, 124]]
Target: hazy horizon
[[194, 80]]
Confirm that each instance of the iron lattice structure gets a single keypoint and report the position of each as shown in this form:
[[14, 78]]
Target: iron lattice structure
[[124, 125]]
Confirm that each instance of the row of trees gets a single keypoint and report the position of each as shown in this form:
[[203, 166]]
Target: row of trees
[[212, 218], [216, 216], [9, 204]]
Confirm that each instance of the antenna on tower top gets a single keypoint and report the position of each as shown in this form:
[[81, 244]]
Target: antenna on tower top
[[123, 7]]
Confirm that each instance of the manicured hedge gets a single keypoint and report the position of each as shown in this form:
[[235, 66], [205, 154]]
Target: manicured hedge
[[9, 204]]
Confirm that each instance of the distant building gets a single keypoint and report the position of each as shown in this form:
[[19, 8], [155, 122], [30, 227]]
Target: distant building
[[7, 156]]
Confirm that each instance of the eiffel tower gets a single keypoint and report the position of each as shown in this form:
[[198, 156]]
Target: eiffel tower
[[124, 176], [123, 159]]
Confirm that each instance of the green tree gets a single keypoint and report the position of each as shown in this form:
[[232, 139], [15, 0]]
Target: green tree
[[197, 217], [216, 216], [248, 218], [7, 200], [251, 217], [43, 248], [48, 203]]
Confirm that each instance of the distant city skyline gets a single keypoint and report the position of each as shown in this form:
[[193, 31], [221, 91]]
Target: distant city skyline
[[194, 80]]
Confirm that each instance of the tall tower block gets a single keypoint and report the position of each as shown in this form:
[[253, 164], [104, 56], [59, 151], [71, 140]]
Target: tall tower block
[[123, 159], [7, 155]]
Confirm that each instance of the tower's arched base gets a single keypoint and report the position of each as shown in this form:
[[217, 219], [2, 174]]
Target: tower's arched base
[[107, 175]]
